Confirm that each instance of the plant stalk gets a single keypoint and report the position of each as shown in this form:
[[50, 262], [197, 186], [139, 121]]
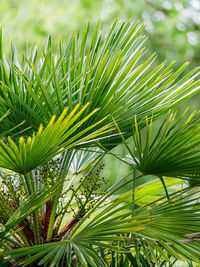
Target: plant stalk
[[30, 187], [65, 166], [164, 185], [133, 191]]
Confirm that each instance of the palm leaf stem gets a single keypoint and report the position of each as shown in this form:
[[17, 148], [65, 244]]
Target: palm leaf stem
[[133, 190], [27, 184], [164, 185], [66, 163], [108, 152], [30, 186]]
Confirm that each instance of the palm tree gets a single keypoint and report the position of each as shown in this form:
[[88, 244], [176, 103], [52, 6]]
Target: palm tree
[[60, 115]]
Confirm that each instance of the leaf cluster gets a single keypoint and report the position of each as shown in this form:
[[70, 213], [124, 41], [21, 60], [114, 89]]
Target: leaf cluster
[[56, 107]]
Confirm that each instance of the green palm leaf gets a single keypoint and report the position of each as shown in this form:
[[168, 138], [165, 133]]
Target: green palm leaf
[[167, 227], [57, 137], [152, 191], [172, 151], [175, 227], [103, 228], [109, 75]]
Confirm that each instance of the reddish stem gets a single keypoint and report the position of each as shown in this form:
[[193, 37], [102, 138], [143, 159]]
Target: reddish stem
[[26, 230], [47, 217], [68, 226]]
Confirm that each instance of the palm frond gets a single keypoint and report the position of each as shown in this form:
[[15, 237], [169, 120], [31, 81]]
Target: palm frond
[[173, 232], [82, 159], [175, 227], [109, 75], [102, 229], [57, 137], [172, 151], [166, 228], [87, 86]]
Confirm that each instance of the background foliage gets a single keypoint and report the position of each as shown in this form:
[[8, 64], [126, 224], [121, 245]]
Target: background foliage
[[172, 25]]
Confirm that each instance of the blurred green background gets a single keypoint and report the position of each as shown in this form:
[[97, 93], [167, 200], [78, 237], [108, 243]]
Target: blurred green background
[[173, 27], [173, 30]]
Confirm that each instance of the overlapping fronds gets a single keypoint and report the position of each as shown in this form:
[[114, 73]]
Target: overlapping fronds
[[174, 232], [57, 221], [10, 129], [156, 231], [103, 228], [82, 159], [50, 141], [108, 74]]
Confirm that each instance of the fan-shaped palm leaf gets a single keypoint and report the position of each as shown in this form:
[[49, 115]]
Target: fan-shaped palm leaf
[[173, 151], [168, 227], [107, 75], [48, 142], [175, 229], [82, 159]]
